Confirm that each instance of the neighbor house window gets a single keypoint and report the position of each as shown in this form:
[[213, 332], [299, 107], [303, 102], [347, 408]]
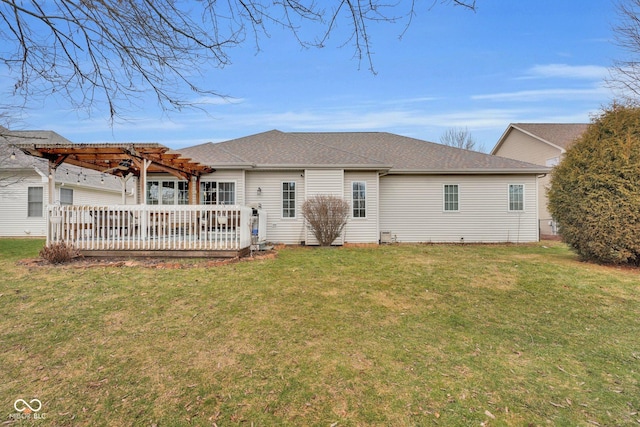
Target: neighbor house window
[[35, 204], [516, 197], [552, 162], [359, 198], [288, 199], [66, 197], [217, 193], [167, 193], [451, 195]]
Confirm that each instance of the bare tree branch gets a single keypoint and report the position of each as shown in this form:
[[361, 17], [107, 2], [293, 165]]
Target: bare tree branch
[[625, 74], [459, 138], [109, 52]]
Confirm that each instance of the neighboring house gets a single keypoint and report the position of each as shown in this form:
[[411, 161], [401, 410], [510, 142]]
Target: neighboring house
[[24, 189], [400, 189], [542, 144]]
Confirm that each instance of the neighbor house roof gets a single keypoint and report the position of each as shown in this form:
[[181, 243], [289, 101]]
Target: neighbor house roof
[[559, 135], [13, 159], [350, 150]]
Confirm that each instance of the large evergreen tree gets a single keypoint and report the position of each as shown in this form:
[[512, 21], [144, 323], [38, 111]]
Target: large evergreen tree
[[595, 190]]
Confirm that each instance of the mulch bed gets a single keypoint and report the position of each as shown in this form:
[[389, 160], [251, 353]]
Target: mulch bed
[[157, 263]]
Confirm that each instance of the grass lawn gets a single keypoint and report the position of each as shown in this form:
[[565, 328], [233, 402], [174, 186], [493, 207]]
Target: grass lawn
[[392, 335]]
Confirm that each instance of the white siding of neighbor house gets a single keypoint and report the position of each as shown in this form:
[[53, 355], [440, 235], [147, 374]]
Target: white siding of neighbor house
[[14, 221], [279, 230], [520, 146], [411, 208], [362, 230], [323, 181]]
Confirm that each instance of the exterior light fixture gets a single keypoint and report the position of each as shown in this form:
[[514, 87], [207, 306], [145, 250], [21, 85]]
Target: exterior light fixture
[[259, 191], [13, 155]]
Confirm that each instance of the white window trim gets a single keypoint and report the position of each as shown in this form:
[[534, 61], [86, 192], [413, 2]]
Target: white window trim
[[160, 181], [524, 204], [295, 200], [444, 202], [65, 190], [218, 182], [41, 215], [366, 213]]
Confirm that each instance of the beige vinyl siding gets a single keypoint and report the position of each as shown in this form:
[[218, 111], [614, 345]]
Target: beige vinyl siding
[[279, 229], [323, 181], [411, 208], [520, 146], [362, 230]]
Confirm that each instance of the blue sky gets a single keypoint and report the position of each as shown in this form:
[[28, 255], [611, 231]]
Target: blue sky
[[510, 61]]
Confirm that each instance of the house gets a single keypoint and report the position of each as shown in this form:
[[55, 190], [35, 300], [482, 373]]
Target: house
[[542, 144], [400, 189], [24, 189], [208, 199]]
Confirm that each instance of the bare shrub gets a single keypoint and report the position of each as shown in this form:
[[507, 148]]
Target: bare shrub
[[326, 216], [58, 253]]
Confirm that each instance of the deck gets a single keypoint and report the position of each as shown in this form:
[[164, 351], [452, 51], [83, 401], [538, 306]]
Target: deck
[[147, 230]]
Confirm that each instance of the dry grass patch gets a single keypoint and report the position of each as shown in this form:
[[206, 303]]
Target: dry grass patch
[[390, 335]]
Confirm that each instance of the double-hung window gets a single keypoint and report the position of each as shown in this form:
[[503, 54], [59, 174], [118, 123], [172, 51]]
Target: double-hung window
[[35, 202], [516, 197], [359, 199], [451, 195], [66, 197], [289, 199]]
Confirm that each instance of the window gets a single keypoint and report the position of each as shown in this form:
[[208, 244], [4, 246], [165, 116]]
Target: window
[[288, 199], [183, 193], [35, 202], [167, 193], [227, 193], [552, 162], [359, 199], [451, 195], [217, 193], [208, 193], [66, 197], [516, 197]]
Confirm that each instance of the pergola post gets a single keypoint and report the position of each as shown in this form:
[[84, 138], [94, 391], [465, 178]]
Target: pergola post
[[51, 182]]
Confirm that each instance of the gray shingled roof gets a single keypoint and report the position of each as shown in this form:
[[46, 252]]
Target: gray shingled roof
[[350, 150], [558, 134]]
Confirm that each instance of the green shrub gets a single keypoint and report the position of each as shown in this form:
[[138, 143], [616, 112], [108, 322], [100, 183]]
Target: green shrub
[[595, 191], [58, 253]]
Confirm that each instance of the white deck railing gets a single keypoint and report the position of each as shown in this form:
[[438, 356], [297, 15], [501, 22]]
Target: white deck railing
[[149, 228]]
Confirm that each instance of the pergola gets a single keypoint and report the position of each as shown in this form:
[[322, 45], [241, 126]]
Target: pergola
[[124, 160]]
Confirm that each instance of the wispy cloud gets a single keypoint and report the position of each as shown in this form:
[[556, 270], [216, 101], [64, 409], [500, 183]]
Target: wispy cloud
[[545, 94], [565, 71]]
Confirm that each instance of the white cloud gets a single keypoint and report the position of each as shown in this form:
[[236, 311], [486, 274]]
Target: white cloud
[[545, 94], [565, 71]]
